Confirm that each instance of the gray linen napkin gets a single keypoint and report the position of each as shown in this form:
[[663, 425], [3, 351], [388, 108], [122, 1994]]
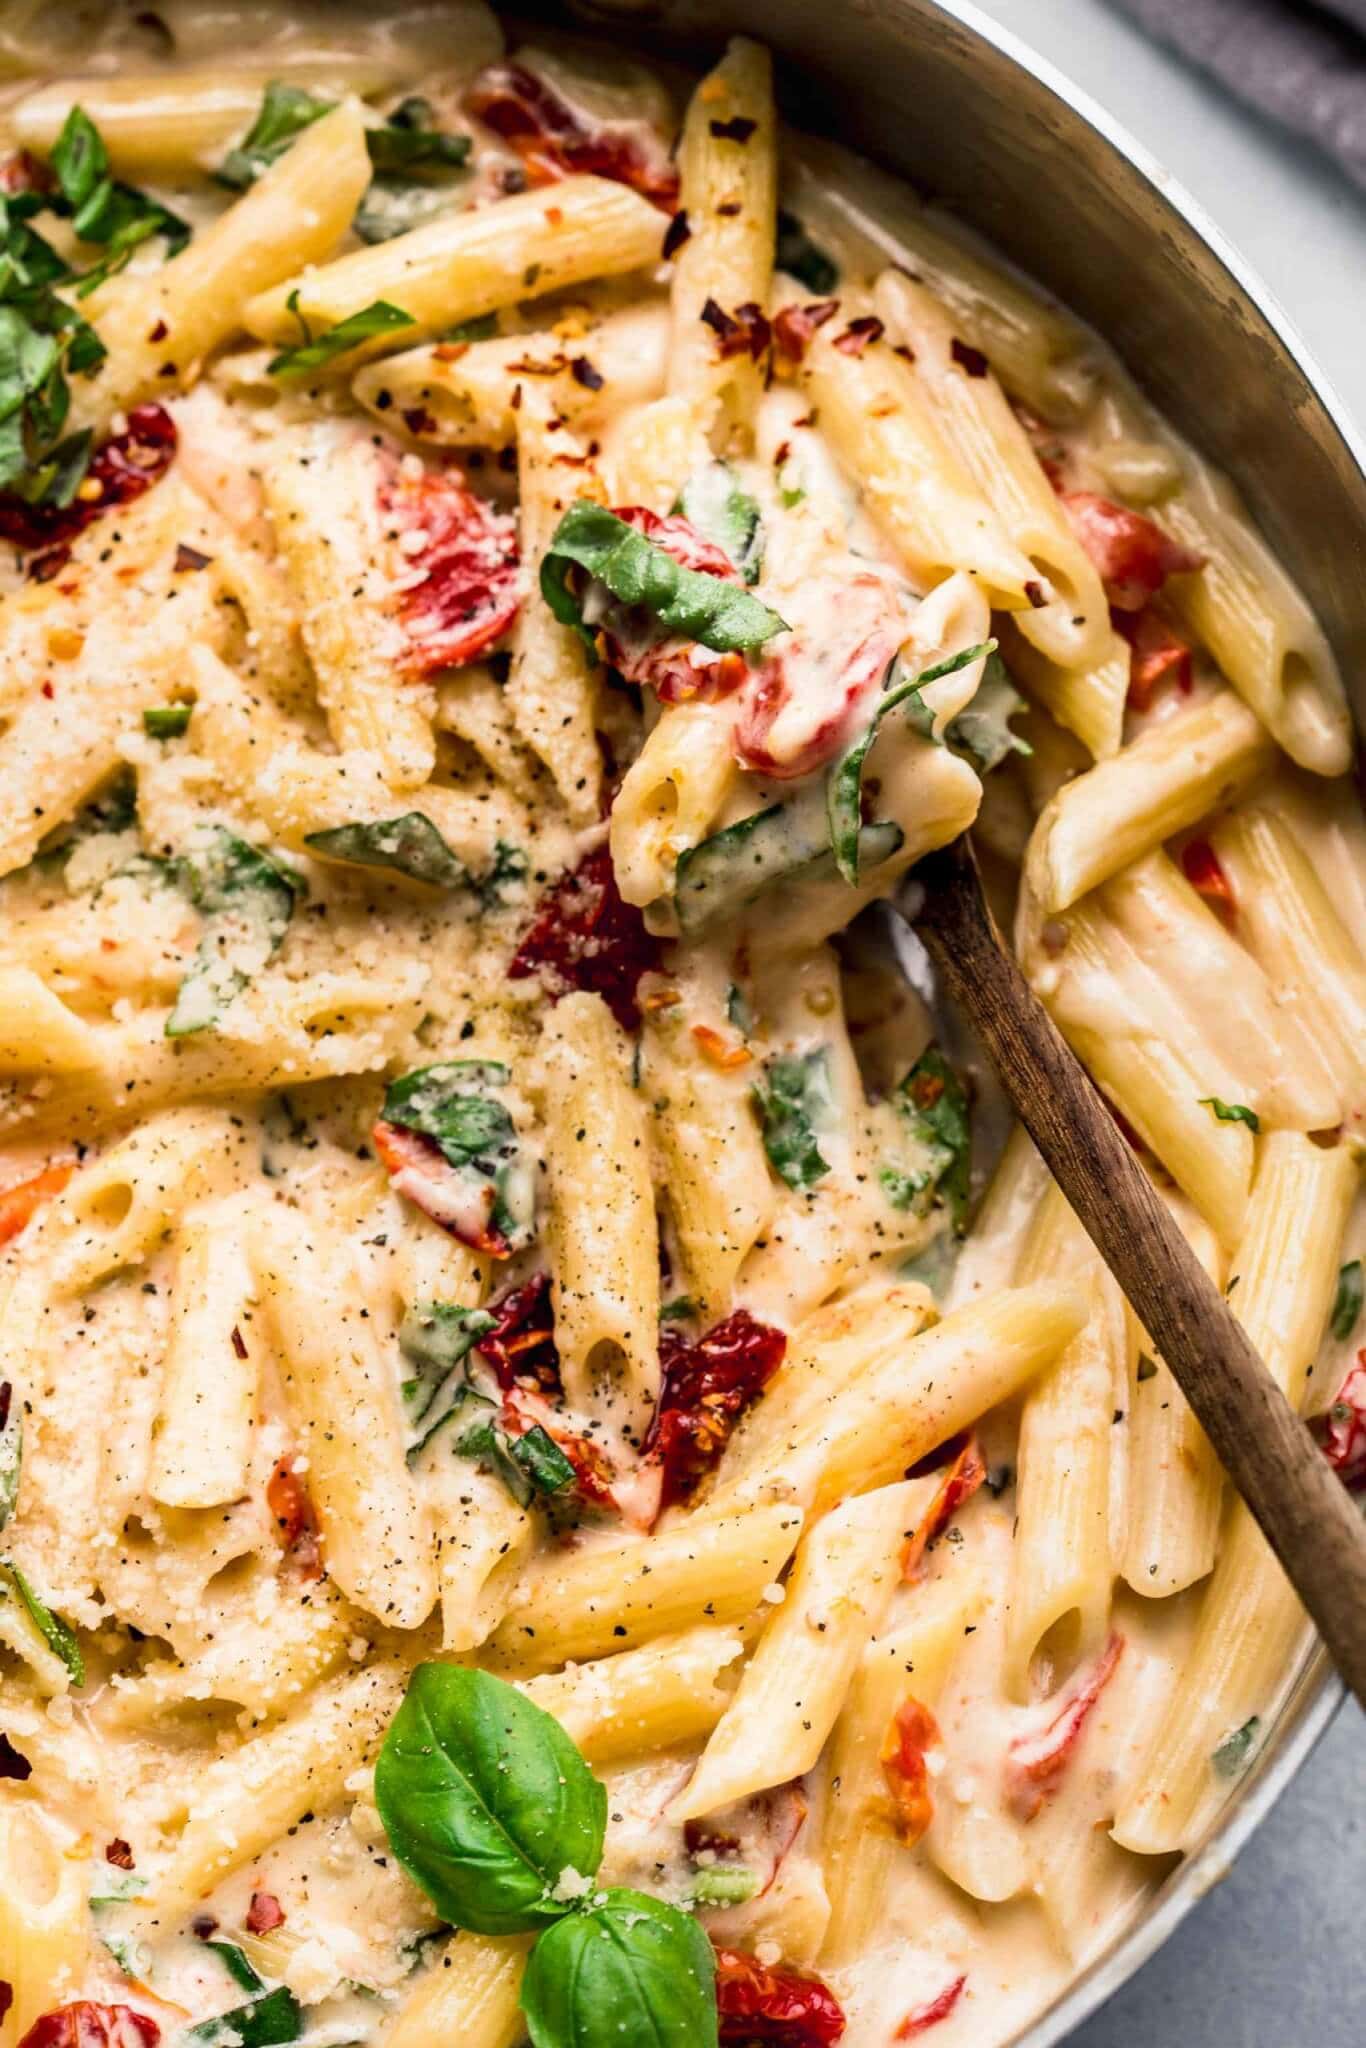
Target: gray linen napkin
[[1303, 66]]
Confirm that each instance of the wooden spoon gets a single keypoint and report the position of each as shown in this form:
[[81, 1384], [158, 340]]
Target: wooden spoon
[[1304, 1511]]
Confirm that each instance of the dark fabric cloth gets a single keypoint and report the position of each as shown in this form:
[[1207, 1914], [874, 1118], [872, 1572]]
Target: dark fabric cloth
[[1305, 67]]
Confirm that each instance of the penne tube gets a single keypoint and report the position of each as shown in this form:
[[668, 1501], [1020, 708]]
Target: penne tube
[[669, 1691], [44, 1921], [463, 265], [38, 1033], [1089, 702], [790, 1693], [671, 797], [626, 1591], [483, 1540], [201, 1443], [1176, 773], [469, 1995]]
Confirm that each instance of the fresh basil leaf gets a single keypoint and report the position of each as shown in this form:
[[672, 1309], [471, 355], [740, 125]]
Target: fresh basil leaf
[[166, 721], [79, 159], [1232, 1112], [484, 327], [286, 110], [486, 1802], [11, 1449], [486, 1444], [1346, 1305], [932, 1106], [682, 1309], [629, 1968], [723, 1884], [133, 1957], [541, 1458], [844, 788], [715, 504], [247, 900], [56, 480], [786, 843], [635, 571], [508, 868], [982, 728], [122, 219], [804, 259], [794, 1103], [455, 1104], [263, 2023], [320, 352], [53, 1630], [408, 142], [234, 1960], [1233, 1755], [436, 1337], [410, 845]]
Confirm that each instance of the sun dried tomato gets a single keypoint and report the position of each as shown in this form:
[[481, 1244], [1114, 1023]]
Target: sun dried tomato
[[782, 2006], [794, 326], [706, 1388], [521, 1345], [264, 1914], [296, 1521], [1205, 872], [127, 465], [1156, 651], [17, 1204], [964, 1473], [1134, 557], [88, 2025], [1035, 1765], [420, 1170], [584, 936], [471, 585], [911, 1732], [630, 639], [1341, 1432], [552, 138], [21, 171], [929, 2014]]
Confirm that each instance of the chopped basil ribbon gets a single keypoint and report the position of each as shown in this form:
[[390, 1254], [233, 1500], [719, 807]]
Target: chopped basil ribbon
[[410, 845], [714, 503], [636, 571], [102, 209], [318, 353], [276, 2017], [247, 900], [243, 1972], [1346, 1305], [981, 729], [491, 1809], [794, 1103], [410, 141], [286, 110], [11, 1449], [166, 721], [786, 843], [1232, 1756], [436, 1337], [530, 1464], [53, 1630], [484, 327], [1232, 1112], [932, 1106], [844, 789], [804, 259], [682, 1309], [455, 1104]]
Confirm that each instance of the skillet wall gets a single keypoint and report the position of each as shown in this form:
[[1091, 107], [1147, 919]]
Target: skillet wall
[[928, 96]]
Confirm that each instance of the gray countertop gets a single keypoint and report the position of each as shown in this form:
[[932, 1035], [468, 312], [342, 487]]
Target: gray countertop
[[1274, 1957]]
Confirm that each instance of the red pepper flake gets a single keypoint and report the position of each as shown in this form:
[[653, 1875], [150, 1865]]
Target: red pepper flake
[[296, 1520], [1131, 554], [552, 139], [676, 234], [794, 326], [127, 465], [1341, 1433], [88, 2025], [1035, 592], [723, 1052], [470, 589], [963, 1476], [6, 1996], [118, 1853], [930, 2014], [188, 558], [784, 2007], [239, 1342], [1201, 866], [738, 129], [264, 1914], [858, 334], [968, 358], [1036, 1763], [745, 332], [911, 1732], [17, 1204], [583, 372], [159, 332], [583, 936], [705, 1390], [12, 1764]]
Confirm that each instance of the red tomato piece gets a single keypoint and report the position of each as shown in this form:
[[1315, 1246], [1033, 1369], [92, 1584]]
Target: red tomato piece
[[296, 1521], [18, 1203], [911, 1732], [127, 465], [706, 1388], [552, 138], [264, 1914], [1342, 1431], [785, 2007], [1036, 1763], [419, 1170], [962, 1476], [471, 586], [929, 2014], [88, 2025], [584, 936], [1205, 872], [808, 697], [1156, 652], [1133, 556], [630, 638]]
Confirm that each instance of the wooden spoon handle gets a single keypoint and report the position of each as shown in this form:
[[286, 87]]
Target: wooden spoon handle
[[1305, 1512]]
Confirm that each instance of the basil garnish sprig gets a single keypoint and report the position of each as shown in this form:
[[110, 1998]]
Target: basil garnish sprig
[[318, 352], [492, 1811], [637, 571], [844, 789], [102, 209]]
